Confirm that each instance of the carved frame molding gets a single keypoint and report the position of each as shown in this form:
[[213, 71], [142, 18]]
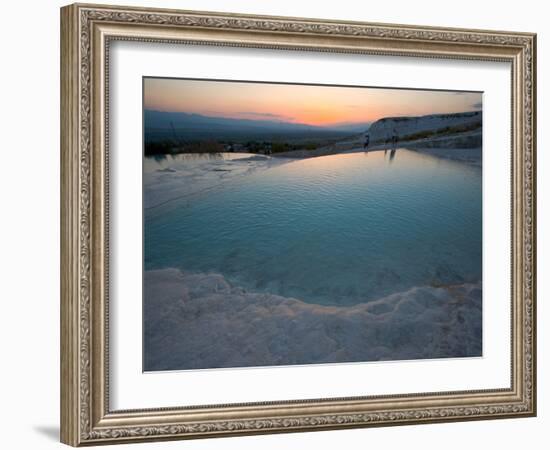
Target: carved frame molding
[[86, 32]]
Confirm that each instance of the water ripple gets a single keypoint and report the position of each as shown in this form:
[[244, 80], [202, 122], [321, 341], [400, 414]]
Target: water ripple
[[340, 229]]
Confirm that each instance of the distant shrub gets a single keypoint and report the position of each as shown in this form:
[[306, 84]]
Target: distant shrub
[[278, 147], [171, 147], [159, 148], [419, 135], [208, 146], [441, 132]]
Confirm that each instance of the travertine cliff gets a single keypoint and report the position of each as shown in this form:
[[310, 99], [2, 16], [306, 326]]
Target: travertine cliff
[[421, 127]]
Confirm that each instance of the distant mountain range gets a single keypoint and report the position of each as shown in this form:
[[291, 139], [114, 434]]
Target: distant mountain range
[[160, 125]]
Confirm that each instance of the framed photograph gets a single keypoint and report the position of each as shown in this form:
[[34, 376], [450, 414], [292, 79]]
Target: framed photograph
[[278, 224]]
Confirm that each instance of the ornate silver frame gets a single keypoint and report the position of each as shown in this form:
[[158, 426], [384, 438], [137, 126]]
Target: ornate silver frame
[[86, 31]]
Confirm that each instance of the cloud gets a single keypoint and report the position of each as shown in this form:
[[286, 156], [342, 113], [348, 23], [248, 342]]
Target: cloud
[[261, 115], [477, 105]]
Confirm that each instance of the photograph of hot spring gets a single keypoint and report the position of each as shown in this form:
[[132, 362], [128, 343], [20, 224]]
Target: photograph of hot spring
[[292, 224]]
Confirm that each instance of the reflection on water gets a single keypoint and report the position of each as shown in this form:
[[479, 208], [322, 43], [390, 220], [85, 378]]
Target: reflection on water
[[159, 162], [340, 229]]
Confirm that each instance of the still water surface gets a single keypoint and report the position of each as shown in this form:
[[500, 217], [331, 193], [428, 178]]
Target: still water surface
[[341, 229]]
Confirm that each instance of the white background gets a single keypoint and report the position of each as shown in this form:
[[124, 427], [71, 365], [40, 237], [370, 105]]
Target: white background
[[132, 389], [29, 182]]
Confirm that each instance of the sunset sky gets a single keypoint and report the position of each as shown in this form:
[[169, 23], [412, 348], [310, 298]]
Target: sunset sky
[[312, 105]]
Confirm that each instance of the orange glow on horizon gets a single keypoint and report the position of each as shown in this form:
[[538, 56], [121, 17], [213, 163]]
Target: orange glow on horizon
[[305, 104]]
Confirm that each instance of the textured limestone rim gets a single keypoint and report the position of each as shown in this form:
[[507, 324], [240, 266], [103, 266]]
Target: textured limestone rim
[[86, 31]]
